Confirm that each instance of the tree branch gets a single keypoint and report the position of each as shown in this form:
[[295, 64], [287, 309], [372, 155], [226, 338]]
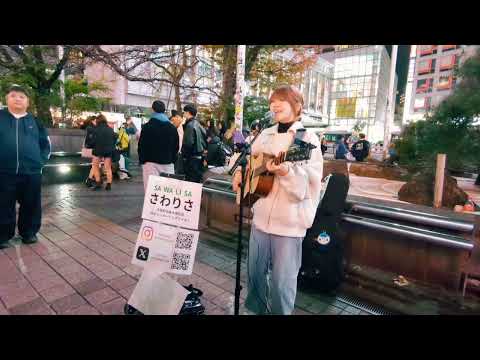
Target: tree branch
[[60, 65]]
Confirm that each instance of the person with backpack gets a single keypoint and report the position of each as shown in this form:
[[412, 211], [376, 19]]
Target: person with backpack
[[361, 149], [281, 219], [25, 150], [194, 146], [123, 148]]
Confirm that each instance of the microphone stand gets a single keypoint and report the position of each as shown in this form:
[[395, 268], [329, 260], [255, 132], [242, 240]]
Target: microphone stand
[[241, 161]]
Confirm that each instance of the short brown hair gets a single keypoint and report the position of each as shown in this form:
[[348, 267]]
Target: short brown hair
[[101, 119], [290, 94]]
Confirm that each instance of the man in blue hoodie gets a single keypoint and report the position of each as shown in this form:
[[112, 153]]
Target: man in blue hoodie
[[25, 150]]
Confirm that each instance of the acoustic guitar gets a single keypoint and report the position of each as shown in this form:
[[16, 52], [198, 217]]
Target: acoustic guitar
[[258, 181]]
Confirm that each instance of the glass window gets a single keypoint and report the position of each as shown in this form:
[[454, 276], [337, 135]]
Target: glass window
[[447, 62], [448, 47], [421, 104], [424, 85], [424, 50], [321, 93], [445, 82], [426, 66], [313, 92]]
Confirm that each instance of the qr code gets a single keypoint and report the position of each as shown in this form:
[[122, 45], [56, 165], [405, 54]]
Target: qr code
[[184, 241], [180, 261]]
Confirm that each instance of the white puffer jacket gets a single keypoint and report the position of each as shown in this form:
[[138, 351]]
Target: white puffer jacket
[[290, 207]]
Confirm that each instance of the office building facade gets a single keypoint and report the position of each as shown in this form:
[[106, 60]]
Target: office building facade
[[358, 98], [431, 77]]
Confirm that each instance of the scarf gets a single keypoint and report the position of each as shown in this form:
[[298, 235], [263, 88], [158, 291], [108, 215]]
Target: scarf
[[160, 116]]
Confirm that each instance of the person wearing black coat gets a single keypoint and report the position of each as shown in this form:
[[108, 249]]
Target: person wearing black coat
[[158, 144], [89, 144], [194, 146], [103, 150]]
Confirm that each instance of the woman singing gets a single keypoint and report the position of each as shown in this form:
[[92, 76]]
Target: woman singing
[[281, 219]]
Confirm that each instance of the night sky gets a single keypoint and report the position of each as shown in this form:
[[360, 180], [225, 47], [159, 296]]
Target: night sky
[[402, 66]]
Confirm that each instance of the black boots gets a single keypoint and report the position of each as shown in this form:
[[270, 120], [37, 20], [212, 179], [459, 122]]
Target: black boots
[[89, 182], [96, 186], [108, 187]]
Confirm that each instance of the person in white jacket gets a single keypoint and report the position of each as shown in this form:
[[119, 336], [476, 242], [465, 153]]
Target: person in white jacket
[[281, 219]]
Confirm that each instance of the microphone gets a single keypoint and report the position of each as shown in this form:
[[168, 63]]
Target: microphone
[[267, 120]]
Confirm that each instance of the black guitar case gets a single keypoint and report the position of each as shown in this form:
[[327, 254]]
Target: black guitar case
[[323, 249]]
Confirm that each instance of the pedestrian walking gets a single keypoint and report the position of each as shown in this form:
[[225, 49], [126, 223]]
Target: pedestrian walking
[[194, 146], [123, 148], [158, 144], [323, 145], [177, 121], [91, 124], [221, 130], [281, 219], [103, 152], [341, 149], [238, 139], [212, 130], [25, 150], [361, 149]]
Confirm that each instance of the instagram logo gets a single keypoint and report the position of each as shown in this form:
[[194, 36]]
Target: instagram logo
[[147, 233]]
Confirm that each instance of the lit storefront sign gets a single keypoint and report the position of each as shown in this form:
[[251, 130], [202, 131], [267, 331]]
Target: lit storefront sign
[[345, 108]]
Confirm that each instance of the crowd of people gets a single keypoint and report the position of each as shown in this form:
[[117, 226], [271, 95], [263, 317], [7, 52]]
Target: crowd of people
[[346, 149], [108, 150], [180, 144]]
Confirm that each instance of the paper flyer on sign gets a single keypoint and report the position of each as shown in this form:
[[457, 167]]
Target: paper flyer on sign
[[172, 248], [173, 202]]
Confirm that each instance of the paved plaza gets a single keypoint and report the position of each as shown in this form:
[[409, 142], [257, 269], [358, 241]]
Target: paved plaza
[[81, 264]]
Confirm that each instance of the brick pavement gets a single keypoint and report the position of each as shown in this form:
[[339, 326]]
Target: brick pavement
[[81, 264]]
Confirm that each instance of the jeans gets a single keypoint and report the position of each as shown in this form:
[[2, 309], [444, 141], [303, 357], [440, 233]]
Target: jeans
[[155, 169], [26, 189], [273, 265]]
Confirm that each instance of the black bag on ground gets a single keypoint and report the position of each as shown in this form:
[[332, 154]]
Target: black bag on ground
[[191, 306], [322, 249]]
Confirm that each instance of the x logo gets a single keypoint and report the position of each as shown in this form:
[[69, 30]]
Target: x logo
[[142, 253]]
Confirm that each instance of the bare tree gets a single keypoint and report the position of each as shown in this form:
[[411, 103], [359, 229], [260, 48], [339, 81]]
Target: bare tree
[[153, 64], [267, 65]]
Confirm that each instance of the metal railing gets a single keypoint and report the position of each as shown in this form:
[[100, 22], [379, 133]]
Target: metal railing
[[414, 217], [411, 232]]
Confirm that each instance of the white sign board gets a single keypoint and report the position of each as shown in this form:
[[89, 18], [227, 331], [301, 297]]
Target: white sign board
[[171, 248], [173, 202]]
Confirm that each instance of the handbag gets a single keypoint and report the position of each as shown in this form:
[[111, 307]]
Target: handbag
[[87, 153]]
